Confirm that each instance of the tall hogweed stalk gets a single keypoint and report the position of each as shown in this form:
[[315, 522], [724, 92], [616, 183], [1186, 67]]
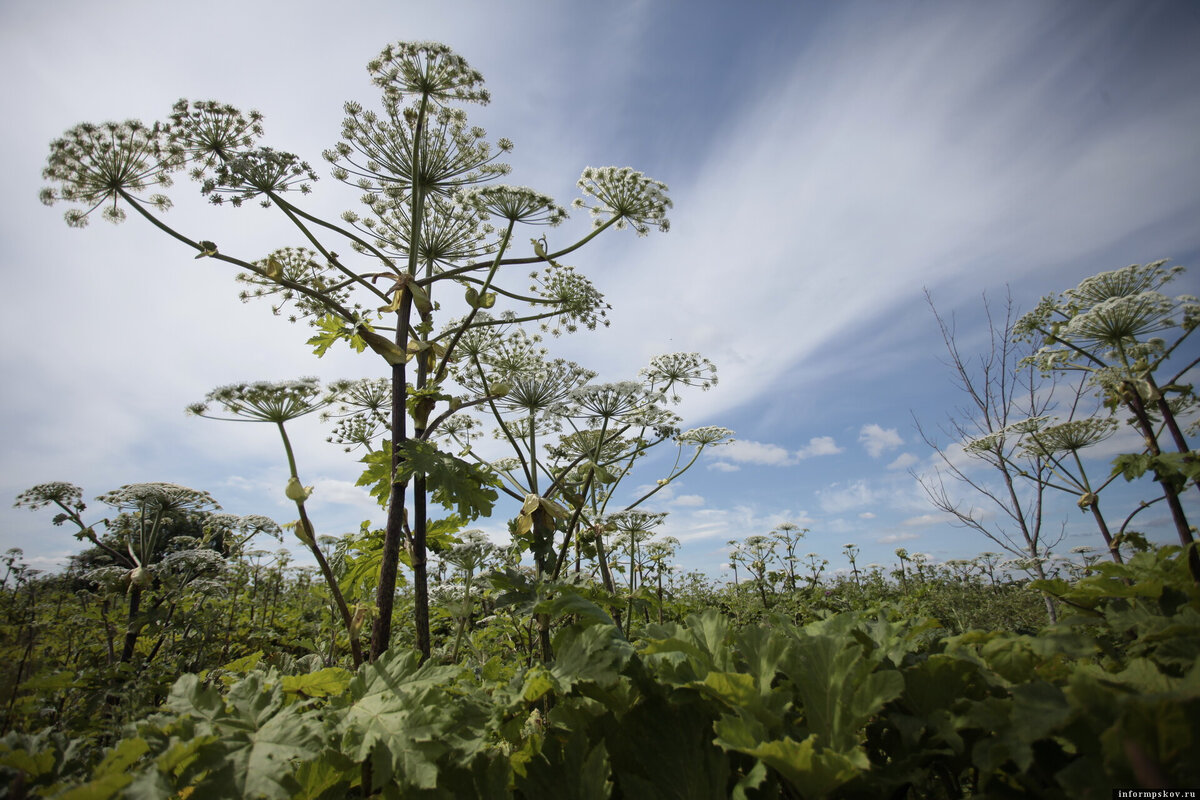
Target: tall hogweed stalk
[[434, 232], [1127, 336], [573, 443], [277, 404]]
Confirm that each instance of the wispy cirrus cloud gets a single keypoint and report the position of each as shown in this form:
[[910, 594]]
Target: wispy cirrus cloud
[[845, 224]]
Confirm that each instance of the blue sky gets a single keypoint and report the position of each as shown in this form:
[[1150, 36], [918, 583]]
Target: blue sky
[[828, 163]]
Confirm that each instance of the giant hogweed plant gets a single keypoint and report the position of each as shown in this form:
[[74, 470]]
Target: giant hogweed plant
[[164, 539], [1058, 445], [1120, 330], [433, 230], [573, 442]]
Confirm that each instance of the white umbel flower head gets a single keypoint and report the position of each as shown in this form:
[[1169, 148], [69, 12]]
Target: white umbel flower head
[[265, 401], [610, 400], [207, 133], [426, 70], [706, 436], [672, 370], [626, 195], [165, 497], [513, 203], [97, 165]]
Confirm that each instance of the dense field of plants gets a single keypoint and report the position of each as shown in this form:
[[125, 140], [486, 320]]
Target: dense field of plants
[[174, 658], [931, 681]]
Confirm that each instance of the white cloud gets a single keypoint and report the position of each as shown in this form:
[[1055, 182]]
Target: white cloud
[[903, 461], [724, 466], [867, 515], [959, 111], [819, 446], [877, 440], [924, 519], [893, 538], [839, 525], [747, 451], [329, 490], [662, 494], [244, 484], [952, 456], [728, 523], [47, 563], [750, 452], [688, 501], [838, 499]]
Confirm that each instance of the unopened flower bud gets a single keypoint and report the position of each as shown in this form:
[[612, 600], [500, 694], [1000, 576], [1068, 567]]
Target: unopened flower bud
[[301, 532], [141, 577], [295, 491]]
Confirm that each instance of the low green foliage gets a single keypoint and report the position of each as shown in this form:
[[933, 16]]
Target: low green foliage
[[853, 704]]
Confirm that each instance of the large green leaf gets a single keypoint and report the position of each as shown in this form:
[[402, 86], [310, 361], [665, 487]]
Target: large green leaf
[[322, 683], [813, 773], [838, 687], [244, 745], [762, 649], [939, 682], [1036, 710], [112, 774], [400, 716], [593, 653], [1155, 735], [264, 740], [663, 749], [456, 484], [567, 600], [568, 768], [683, 654], [734, 689], [326, 777], [189, 696], [101, 788]]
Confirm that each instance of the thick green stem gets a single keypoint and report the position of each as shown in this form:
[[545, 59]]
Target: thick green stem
[[1093, 501], [465, 612], [562, 553], [1164, 408], [394, 535], [132, 626], [1133, 402], [310, 539]]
